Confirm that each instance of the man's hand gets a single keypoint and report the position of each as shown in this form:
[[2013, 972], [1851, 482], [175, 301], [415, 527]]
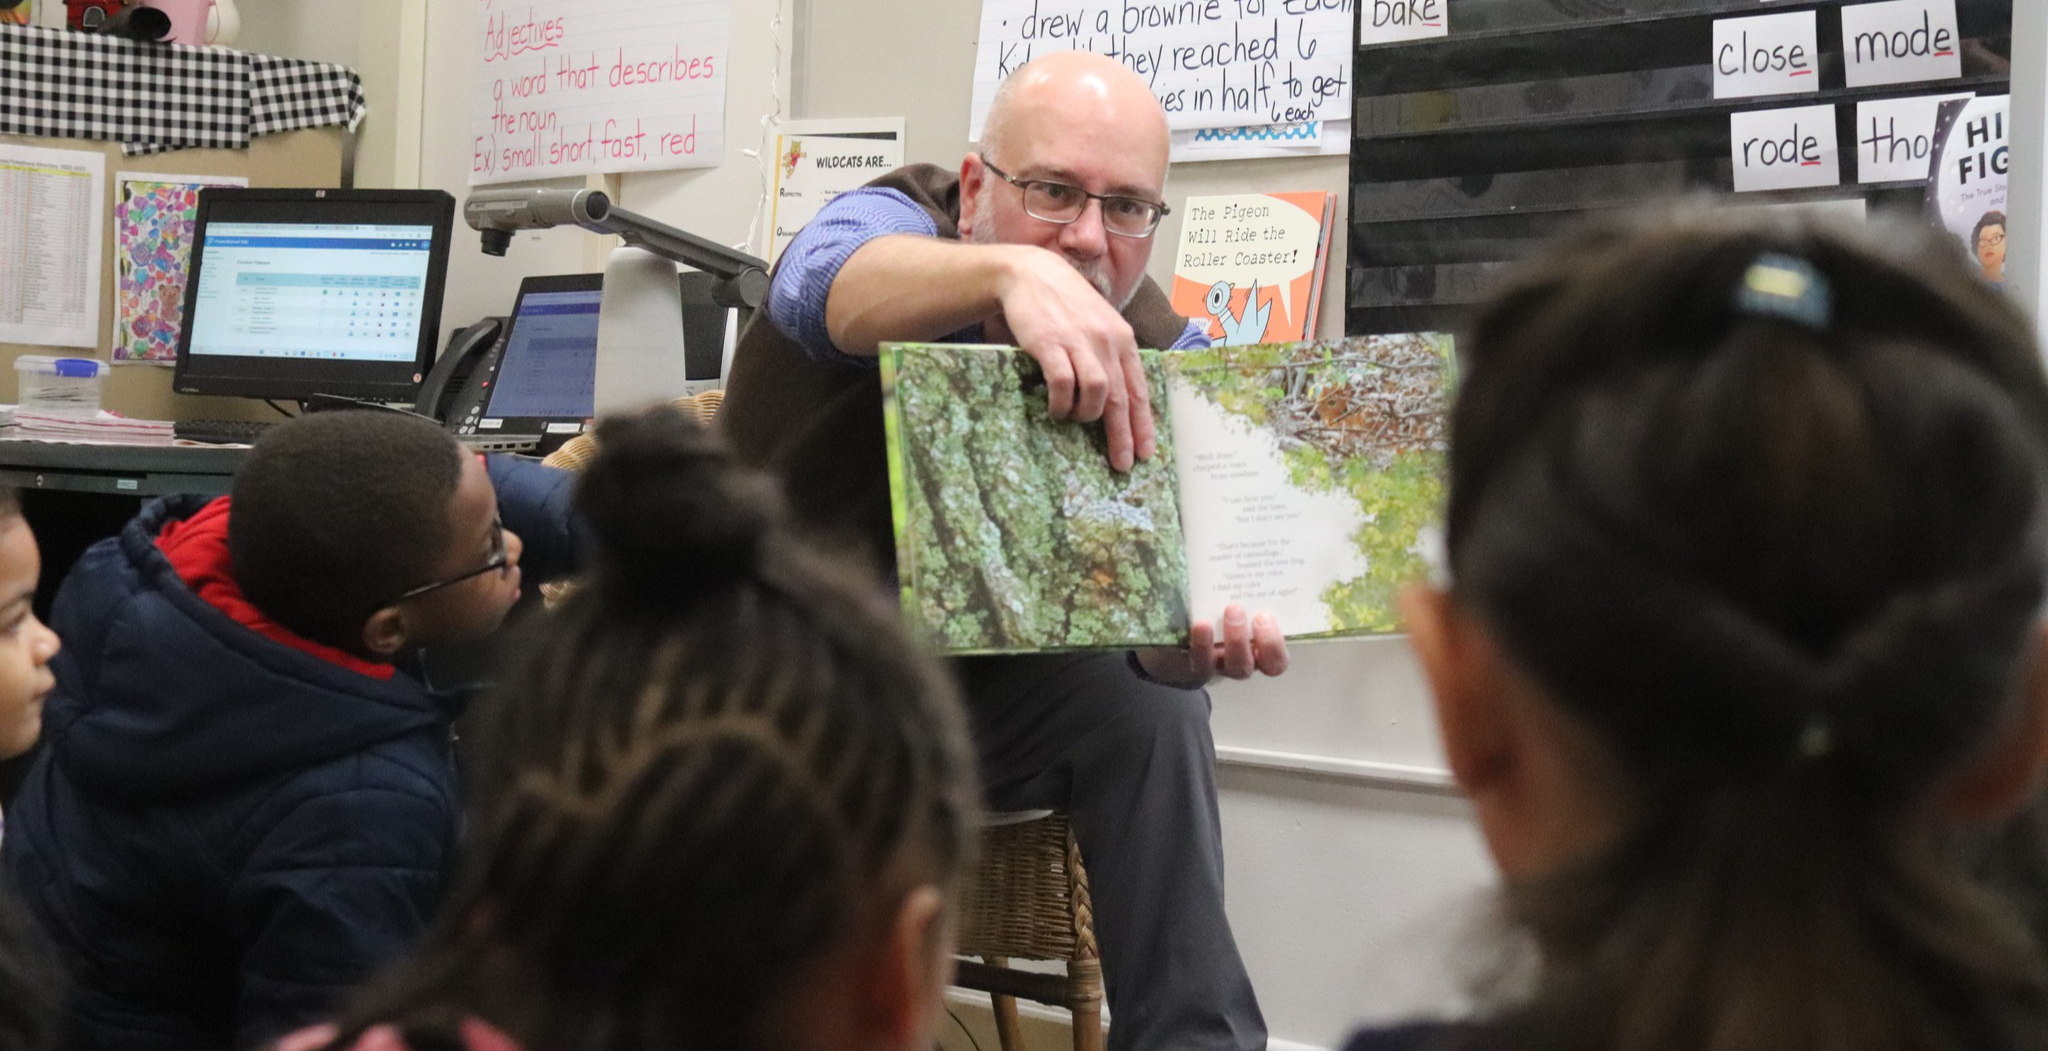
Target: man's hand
[[1248, 644], [1083, 345]]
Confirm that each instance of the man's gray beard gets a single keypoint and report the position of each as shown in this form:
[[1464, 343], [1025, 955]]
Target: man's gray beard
[[984, 234]]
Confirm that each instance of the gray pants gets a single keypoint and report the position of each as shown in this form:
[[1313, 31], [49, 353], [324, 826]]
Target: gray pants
[[1134, 765]]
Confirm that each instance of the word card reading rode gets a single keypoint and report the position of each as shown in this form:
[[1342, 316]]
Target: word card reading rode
[[1784, 149]]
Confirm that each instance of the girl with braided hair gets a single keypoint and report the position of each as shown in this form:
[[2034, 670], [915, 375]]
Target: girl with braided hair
[[1741, 656], [722, 803]]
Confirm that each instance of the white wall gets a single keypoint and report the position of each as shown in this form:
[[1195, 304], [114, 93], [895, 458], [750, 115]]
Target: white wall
[[321, 32], [2026, 216]]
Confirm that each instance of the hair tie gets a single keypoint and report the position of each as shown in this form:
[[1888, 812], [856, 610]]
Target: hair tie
[[1785, 288]]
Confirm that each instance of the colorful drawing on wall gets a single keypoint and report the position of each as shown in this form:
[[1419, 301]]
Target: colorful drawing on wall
[[153, 221]]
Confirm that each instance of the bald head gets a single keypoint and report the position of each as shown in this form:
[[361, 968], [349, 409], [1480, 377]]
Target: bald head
[[1075, 92], [1080, 121]]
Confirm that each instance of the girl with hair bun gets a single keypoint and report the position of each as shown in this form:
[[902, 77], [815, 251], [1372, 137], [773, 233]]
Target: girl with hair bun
[[1741, 657], [723, 802]]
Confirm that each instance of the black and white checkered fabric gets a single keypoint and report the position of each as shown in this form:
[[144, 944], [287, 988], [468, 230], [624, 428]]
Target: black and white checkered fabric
[[156, 97], [287, 93]]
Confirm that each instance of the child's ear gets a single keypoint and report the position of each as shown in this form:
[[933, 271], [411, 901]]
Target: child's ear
[[2008, 775], [386, 632], [1464, 670], [911, 972]]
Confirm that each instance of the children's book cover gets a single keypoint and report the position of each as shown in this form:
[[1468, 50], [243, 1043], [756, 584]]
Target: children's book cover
[[1300, 478], [1250, 266], [1966, 187]]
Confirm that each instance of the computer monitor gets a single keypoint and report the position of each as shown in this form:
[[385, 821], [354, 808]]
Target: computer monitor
[[293, 293]]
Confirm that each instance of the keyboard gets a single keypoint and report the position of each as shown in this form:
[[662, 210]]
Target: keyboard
[[221, 432]]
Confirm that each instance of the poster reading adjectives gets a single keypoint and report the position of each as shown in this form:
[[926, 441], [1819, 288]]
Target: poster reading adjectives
[[154, 216], [575, 87]]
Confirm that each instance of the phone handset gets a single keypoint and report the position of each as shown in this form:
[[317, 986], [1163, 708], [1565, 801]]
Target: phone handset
[[452, 373]]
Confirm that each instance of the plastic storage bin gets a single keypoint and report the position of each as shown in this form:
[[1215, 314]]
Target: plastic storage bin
[[65, 386]]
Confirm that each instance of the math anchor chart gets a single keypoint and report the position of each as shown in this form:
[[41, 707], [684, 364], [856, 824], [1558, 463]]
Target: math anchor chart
[[1212, 63], [572, 87]]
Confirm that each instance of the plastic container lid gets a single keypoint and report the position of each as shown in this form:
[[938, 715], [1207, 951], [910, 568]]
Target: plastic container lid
[[74, 368]]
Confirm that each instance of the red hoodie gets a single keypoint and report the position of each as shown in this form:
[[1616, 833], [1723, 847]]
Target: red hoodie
[[197, 548]]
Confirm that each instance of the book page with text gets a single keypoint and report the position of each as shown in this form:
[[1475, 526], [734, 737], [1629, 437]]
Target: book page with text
[[1310, 476]]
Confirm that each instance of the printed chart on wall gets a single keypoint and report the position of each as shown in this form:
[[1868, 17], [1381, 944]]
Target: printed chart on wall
[[50, 229], [1966, 192], [1301, 478], [574, 87], [154, 216], [817, 160], [1211, 63]]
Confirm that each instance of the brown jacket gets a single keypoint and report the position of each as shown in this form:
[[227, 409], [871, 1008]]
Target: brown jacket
[[818, 424]]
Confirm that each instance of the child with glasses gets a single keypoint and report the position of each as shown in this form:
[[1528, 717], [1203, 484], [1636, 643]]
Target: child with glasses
[[1742, 654], [724, 802], [247, 799]]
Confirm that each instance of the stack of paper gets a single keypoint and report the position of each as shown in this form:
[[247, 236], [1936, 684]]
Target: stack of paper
[[104, 429]]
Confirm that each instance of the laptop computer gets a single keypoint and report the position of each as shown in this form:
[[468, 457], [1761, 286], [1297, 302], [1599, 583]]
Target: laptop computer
[[541, 391]]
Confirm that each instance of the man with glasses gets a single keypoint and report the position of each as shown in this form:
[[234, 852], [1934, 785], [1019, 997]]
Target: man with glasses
[[1039, 240]]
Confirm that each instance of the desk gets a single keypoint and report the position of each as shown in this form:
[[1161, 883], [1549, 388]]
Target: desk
[[120, 470], [75, 495]]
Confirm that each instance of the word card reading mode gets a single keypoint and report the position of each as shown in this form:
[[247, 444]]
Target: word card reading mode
[[1899, 42]]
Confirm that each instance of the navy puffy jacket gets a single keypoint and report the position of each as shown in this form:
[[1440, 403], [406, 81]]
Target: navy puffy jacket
[[222, 833]]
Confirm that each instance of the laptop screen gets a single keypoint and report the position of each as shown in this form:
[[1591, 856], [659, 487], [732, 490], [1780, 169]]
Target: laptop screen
[[549, 370]]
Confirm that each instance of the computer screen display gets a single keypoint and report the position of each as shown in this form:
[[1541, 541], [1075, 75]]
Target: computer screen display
[[549, 368], [338, 291], [293, 293]]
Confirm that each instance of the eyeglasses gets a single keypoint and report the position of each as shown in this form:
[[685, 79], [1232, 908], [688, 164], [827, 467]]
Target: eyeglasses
[[1057, 202], [498, 561], [1989, 240]]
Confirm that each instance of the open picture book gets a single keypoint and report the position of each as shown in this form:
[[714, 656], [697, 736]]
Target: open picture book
[[1300, 478]]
